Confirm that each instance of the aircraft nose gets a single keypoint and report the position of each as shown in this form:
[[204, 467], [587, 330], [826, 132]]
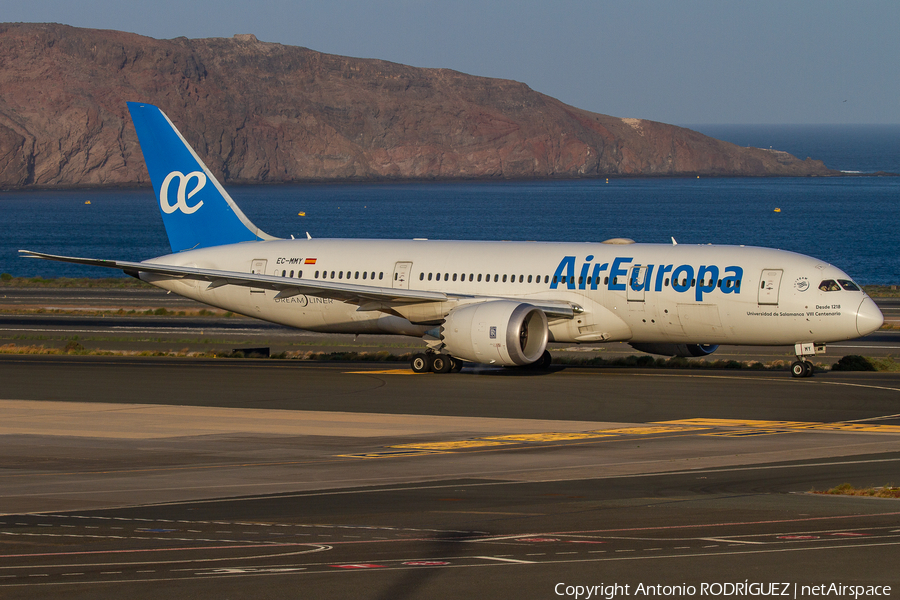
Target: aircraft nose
[[868, 317]]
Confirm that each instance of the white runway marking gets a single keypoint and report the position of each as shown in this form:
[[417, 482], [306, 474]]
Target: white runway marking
[[509, 560]]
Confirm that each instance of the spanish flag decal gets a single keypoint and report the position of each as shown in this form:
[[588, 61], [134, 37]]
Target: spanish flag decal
[[310, 261]]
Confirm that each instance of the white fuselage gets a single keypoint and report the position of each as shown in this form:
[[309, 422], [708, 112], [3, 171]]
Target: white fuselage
[[642, 293]]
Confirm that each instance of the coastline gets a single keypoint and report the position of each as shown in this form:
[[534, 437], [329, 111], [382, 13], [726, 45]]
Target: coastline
[[448, 180]]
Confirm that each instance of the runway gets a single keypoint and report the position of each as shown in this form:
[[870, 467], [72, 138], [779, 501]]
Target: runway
[[127, 477]]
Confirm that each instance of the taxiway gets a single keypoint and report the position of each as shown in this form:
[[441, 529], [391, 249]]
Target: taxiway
[[260, 479]]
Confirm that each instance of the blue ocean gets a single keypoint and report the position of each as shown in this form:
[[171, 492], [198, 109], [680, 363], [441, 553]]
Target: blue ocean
[[852, 222], [848, 148]]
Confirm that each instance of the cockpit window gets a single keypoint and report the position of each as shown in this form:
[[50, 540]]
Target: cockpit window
[[830, 285], [849, 285]]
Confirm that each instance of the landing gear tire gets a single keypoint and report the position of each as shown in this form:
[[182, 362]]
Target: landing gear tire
[[456, 365], [419, 363], [441, 363], [543, 362], [801, 368]]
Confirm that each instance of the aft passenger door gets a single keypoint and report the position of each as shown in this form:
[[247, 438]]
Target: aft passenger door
[[258, 267], [401, 275], [769, 286]]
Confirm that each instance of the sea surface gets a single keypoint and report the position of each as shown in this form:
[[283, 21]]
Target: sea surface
[[852, 222], [848, 148]]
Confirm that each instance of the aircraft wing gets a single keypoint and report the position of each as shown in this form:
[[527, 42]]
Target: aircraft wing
[[287, 287]]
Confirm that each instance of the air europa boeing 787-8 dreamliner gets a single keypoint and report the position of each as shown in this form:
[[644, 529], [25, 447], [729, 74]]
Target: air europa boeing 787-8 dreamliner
[[498, 303]]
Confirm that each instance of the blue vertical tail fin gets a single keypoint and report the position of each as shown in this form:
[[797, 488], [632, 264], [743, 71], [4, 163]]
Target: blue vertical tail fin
[[195, 208]]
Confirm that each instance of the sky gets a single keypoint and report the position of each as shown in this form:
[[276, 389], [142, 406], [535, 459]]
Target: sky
[[683, 62]]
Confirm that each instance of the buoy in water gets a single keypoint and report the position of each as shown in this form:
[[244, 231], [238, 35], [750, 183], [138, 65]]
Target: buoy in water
[[301, 214], [88, 202], [777, 210]]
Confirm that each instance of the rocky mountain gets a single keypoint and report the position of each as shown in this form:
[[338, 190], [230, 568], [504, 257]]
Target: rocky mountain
[[261, 112]]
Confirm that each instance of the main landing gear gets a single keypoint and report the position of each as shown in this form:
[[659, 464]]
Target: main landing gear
[[434, 362], [431, 362]]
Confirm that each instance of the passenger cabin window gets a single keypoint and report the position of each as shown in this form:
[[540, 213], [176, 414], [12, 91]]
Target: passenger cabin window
[[829, 285]]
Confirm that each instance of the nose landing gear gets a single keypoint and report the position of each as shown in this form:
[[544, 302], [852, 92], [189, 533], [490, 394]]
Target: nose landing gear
[[803, 367]]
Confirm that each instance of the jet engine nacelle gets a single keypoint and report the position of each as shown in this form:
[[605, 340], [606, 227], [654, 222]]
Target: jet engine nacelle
[[500, 332], [685, 350]]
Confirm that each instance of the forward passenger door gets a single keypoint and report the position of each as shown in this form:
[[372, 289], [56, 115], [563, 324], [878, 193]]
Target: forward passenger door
[[769, 286]]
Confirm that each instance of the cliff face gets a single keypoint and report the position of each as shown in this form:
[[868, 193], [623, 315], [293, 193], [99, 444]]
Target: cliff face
[[265, 112]]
